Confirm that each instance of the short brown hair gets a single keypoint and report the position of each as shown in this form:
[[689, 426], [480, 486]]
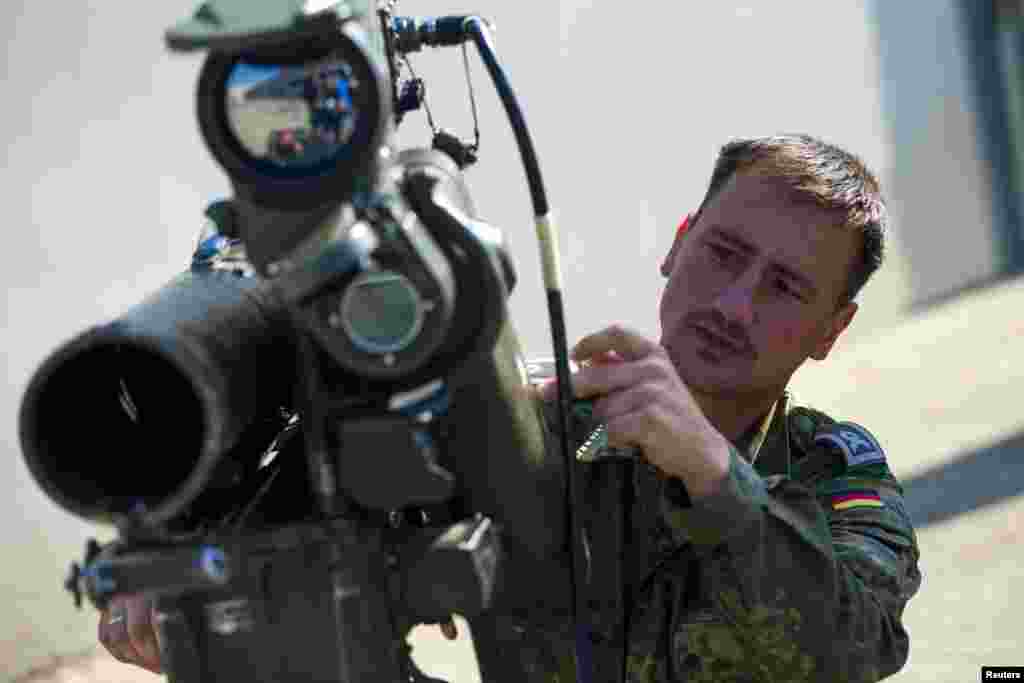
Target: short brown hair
[[818, 171]]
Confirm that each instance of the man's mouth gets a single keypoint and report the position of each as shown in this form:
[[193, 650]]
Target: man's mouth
[[717, 342]]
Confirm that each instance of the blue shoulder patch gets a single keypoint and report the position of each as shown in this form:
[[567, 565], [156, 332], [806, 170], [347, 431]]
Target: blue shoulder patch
[[856, 443]]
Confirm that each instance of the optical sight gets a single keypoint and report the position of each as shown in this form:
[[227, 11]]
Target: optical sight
[[320, 434]]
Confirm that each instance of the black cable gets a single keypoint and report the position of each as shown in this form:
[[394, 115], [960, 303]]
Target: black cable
[[237, 523], [628, 498], [384, 16], [477, 29], [419, 81], [472, 99]]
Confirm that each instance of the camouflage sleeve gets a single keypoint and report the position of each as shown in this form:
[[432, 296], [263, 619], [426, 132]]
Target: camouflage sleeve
[[810, 581]]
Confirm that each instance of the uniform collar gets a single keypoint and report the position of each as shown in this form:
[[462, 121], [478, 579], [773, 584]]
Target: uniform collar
[[766, 446]]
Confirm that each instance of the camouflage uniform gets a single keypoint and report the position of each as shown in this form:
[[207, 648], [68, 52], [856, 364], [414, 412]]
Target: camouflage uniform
[[798, 569]]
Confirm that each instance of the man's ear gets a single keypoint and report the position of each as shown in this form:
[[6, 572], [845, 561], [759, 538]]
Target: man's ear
[[839, 322], [670, 257]]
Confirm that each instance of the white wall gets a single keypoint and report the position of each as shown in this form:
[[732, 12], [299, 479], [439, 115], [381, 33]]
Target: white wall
[[939, 185]]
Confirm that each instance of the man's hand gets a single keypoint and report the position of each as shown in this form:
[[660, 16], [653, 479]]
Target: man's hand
[[448, 629], [128, 631], [643, 402]]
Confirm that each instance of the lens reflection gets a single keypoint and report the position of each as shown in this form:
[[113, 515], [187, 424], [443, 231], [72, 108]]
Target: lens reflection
[[382, 312], [292, 116]]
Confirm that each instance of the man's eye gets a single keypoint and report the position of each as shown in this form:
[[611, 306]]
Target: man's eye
[[722, 254], [787, 289]]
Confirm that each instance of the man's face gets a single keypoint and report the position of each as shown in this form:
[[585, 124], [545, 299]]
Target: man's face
[[753, 289]]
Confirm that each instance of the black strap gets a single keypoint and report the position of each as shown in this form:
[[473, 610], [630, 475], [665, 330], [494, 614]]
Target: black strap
[[628, 499]]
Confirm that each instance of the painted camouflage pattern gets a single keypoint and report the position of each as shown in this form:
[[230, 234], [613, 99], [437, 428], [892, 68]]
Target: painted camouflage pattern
[[762, 582]]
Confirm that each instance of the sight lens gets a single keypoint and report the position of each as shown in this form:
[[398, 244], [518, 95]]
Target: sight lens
[[382, 312], [294, 118]]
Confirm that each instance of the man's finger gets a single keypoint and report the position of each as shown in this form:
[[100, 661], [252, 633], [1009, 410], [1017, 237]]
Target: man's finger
[[604, 358], [629, 430], [602, 379], [113, 633], [624, 402], [142, 631], [449, 630], [627, 343], [599, 380]]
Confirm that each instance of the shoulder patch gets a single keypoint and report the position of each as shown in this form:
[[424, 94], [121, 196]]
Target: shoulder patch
[[856, 444], [803, 424]]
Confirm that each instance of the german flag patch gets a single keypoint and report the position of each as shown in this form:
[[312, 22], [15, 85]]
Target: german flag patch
[[862, 498]]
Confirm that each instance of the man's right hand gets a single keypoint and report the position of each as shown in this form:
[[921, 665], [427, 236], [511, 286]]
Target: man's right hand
[[128, 631]]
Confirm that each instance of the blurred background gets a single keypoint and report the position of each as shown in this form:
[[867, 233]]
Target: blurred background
[[105, 178]]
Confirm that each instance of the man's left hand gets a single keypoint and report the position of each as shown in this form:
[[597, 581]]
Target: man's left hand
[[643, 402]]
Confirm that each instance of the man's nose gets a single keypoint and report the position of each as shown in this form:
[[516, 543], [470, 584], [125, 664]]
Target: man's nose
[[736, 301]]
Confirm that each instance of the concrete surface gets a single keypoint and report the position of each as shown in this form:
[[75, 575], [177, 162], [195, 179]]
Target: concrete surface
[[942, 393]]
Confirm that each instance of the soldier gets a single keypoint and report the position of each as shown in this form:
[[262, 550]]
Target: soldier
[[770, 541]]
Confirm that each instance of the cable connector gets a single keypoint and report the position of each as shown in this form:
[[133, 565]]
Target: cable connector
[[462, 154], [411, 34]]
